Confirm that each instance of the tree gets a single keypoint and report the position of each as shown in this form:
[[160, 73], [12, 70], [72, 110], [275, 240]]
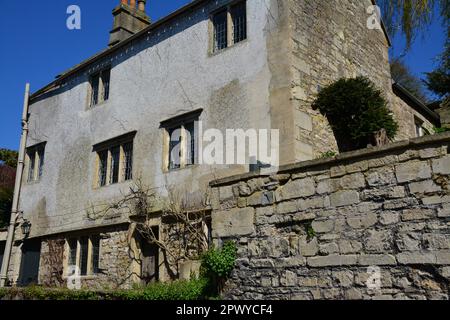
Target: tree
[[7, 181], [8, 157], [357, 113], [412, 16], [438, 81], [402, 75]]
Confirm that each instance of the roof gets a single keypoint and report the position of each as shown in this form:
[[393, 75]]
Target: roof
[[415, 103], [59, 79], [54, 84]]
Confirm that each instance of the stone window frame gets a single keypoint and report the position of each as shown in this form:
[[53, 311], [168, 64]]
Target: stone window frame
[[91, 270], [230, 27], [180, 122], [124, 175], [35, 162], [100, 75]]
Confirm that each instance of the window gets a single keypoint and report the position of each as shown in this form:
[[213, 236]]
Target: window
[[115, 160], [181, 142], [420, 131], [35, 162], [229, 26], [239, 20], [100, 87], [84, 253]]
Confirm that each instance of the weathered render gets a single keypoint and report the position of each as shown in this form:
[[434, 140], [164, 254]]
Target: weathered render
[[267, 81], [316, 229]]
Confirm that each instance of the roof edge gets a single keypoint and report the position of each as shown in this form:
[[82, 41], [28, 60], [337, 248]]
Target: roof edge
[[102, 54]]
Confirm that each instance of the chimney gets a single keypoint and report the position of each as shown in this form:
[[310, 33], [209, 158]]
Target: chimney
[[128, 20]]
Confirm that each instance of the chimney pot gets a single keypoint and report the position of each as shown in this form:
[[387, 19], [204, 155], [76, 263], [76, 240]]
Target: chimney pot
[[124, 2], [141, 5], [133, 4]]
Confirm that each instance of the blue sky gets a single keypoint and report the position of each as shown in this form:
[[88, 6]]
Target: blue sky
[[37, 46]]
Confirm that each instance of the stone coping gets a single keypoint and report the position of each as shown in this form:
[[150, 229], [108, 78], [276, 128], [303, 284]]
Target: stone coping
[[343, 157]]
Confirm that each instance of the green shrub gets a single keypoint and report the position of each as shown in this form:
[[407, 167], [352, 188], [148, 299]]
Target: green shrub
[[441, 130], [355, 109], [217, 265]]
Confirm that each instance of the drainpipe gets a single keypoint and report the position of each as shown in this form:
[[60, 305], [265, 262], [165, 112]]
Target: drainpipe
[[17, 187]]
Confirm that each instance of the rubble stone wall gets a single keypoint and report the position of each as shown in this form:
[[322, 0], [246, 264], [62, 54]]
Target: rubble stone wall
[[370, 224]]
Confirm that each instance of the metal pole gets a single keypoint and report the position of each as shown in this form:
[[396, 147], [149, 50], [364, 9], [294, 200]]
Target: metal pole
[[17, 187]]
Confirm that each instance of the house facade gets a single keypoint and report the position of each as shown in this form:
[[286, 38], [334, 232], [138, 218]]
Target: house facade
[[112, 119]]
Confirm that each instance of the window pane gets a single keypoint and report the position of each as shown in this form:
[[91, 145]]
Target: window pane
[[174, 148], [115, 159], [128, 161], [239, 17], [95, 253], [220, 30], [95, 80], [32, 163], [72, 252], [190, 143], [106, 74], [41, 161], [103, 163], [83, 255]]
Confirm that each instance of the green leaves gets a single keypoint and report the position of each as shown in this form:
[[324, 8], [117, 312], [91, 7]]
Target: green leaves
[[219, 263], [355, 109], [9, 157]]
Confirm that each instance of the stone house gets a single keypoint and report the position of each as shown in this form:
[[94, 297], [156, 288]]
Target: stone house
[[247, 64]]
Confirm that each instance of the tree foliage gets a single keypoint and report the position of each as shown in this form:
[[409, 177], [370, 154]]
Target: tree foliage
[[412, 16], [356, 111], [402, 75], [8, 157]]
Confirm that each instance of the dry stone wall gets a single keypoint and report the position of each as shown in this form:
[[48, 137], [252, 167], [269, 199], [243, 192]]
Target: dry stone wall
[[371, 224]]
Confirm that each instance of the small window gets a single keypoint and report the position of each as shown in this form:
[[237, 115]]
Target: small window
[[95, 241], [220, 30], [103, 167], [72, 252], [239, 19], [84, 247], [84, 253], [181, 143], [229, 26], [115, 161], [175, 148], [420, 131], [128, 161], [100, 84], [35, 162]]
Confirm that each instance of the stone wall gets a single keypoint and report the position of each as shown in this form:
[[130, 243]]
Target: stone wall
[[317, 229]]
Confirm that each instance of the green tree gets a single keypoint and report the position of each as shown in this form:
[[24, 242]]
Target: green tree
[[9, 157], [412, 17], [402, 75]]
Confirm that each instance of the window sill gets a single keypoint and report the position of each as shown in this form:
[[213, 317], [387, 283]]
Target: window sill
[[194, 166], [113, 184], [34, 182], [87, 277], [98, 105], [215, 53]]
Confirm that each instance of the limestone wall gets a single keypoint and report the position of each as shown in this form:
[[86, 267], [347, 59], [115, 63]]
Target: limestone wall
[[313, 230]]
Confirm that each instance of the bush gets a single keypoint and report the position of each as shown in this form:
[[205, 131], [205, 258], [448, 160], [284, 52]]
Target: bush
[[178, 290], [217, 266], [355, 109]]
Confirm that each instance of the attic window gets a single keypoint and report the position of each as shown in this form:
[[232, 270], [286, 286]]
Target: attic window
[[35, 156], [229, 26], [100, 87]]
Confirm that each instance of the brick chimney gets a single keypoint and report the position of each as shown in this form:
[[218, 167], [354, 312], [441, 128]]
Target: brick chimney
[[128, 20]]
